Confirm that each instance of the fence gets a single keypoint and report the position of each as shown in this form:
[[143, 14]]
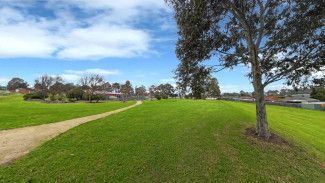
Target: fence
[[284, 104]]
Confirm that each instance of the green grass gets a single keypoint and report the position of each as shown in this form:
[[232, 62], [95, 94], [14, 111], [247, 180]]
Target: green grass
[[180, 141], [15, 112]]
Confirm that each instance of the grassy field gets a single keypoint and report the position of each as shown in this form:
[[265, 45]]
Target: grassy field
[[15, 112], [181, 141]]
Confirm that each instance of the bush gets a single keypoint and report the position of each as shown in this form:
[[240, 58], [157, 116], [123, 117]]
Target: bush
[[158, 97], [165, 96], [37, 95], [28, 96], [318, 93], [61, 97], [53, 97], [96, 97], [75, 94]]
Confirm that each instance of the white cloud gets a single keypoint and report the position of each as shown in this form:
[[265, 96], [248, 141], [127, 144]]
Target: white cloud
[[104, 41], [168, 80], [22, 35], [235, 88], [25, 40], [229, 88], [70, 77], [9, 14], [107, 29], [94, 71], [75, 75], [319, 74], [277, 87], [4, 80]]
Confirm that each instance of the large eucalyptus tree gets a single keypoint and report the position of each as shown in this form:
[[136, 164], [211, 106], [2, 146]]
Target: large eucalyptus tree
[[277, 39]]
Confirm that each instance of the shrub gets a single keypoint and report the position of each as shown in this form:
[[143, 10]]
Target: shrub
[[37, 95], [75, 94], [165, 96], [318, 93], [158, 97], [61, 97], [53, 97], [28, 96], [96, 97]]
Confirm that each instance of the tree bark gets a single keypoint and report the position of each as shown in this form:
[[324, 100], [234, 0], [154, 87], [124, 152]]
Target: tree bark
[[261, 117], [262, 129]]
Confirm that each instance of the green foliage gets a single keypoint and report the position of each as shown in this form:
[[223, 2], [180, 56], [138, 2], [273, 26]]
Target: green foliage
[[193, 78], [127, 88], [318, 93], [53, 97], [162, 91], [75, 94], [90, 97], [140, 91], [28, 96], [36, 95], [16, 83], [57, 97], [158, 97], [213, 89], [180, 141], [98, 97]]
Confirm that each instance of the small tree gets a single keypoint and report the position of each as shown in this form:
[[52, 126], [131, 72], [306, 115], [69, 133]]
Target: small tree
[[166, 90], [75, 94], [278, 40], [152, 90], [91, 84], [318, 93], [16, 83], [213, 89], [127, 89], [140, 91], [192, 77], [57, 88], [116, 87], [44, 82], [107, 87], [318, 89]]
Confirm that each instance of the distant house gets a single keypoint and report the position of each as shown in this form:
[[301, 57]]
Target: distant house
[[299, 98], [271, 98], [21, 91], [110, 95]]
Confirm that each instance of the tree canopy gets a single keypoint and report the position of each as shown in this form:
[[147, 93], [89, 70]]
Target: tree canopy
[[278, 40], [16, 83]]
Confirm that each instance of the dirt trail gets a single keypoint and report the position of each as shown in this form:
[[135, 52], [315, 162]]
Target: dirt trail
[[15, 143]]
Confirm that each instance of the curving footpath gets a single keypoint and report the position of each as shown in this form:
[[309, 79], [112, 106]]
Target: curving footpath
[[15, 143]]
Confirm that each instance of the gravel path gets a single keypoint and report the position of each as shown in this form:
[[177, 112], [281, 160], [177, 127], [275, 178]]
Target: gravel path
[[15, 143]]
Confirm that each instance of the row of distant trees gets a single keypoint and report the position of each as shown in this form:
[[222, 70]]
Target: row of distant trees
[[91, 87]]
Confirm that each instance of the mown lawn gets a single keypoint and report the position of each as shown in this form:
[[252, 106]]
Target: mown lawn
[[15, 112], [180, 141]]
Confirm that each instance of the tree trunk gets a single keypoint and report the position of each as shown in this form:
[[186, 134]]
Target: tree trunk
[[261, 118]]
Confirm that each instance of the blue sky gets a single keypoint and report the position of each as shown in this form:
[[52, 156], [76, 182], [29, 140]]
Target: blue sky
[[122, 40]]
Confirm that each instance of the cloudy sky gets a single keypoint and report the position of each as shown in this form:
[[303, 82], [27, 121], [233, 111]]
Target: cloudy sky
[[122, 40]]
